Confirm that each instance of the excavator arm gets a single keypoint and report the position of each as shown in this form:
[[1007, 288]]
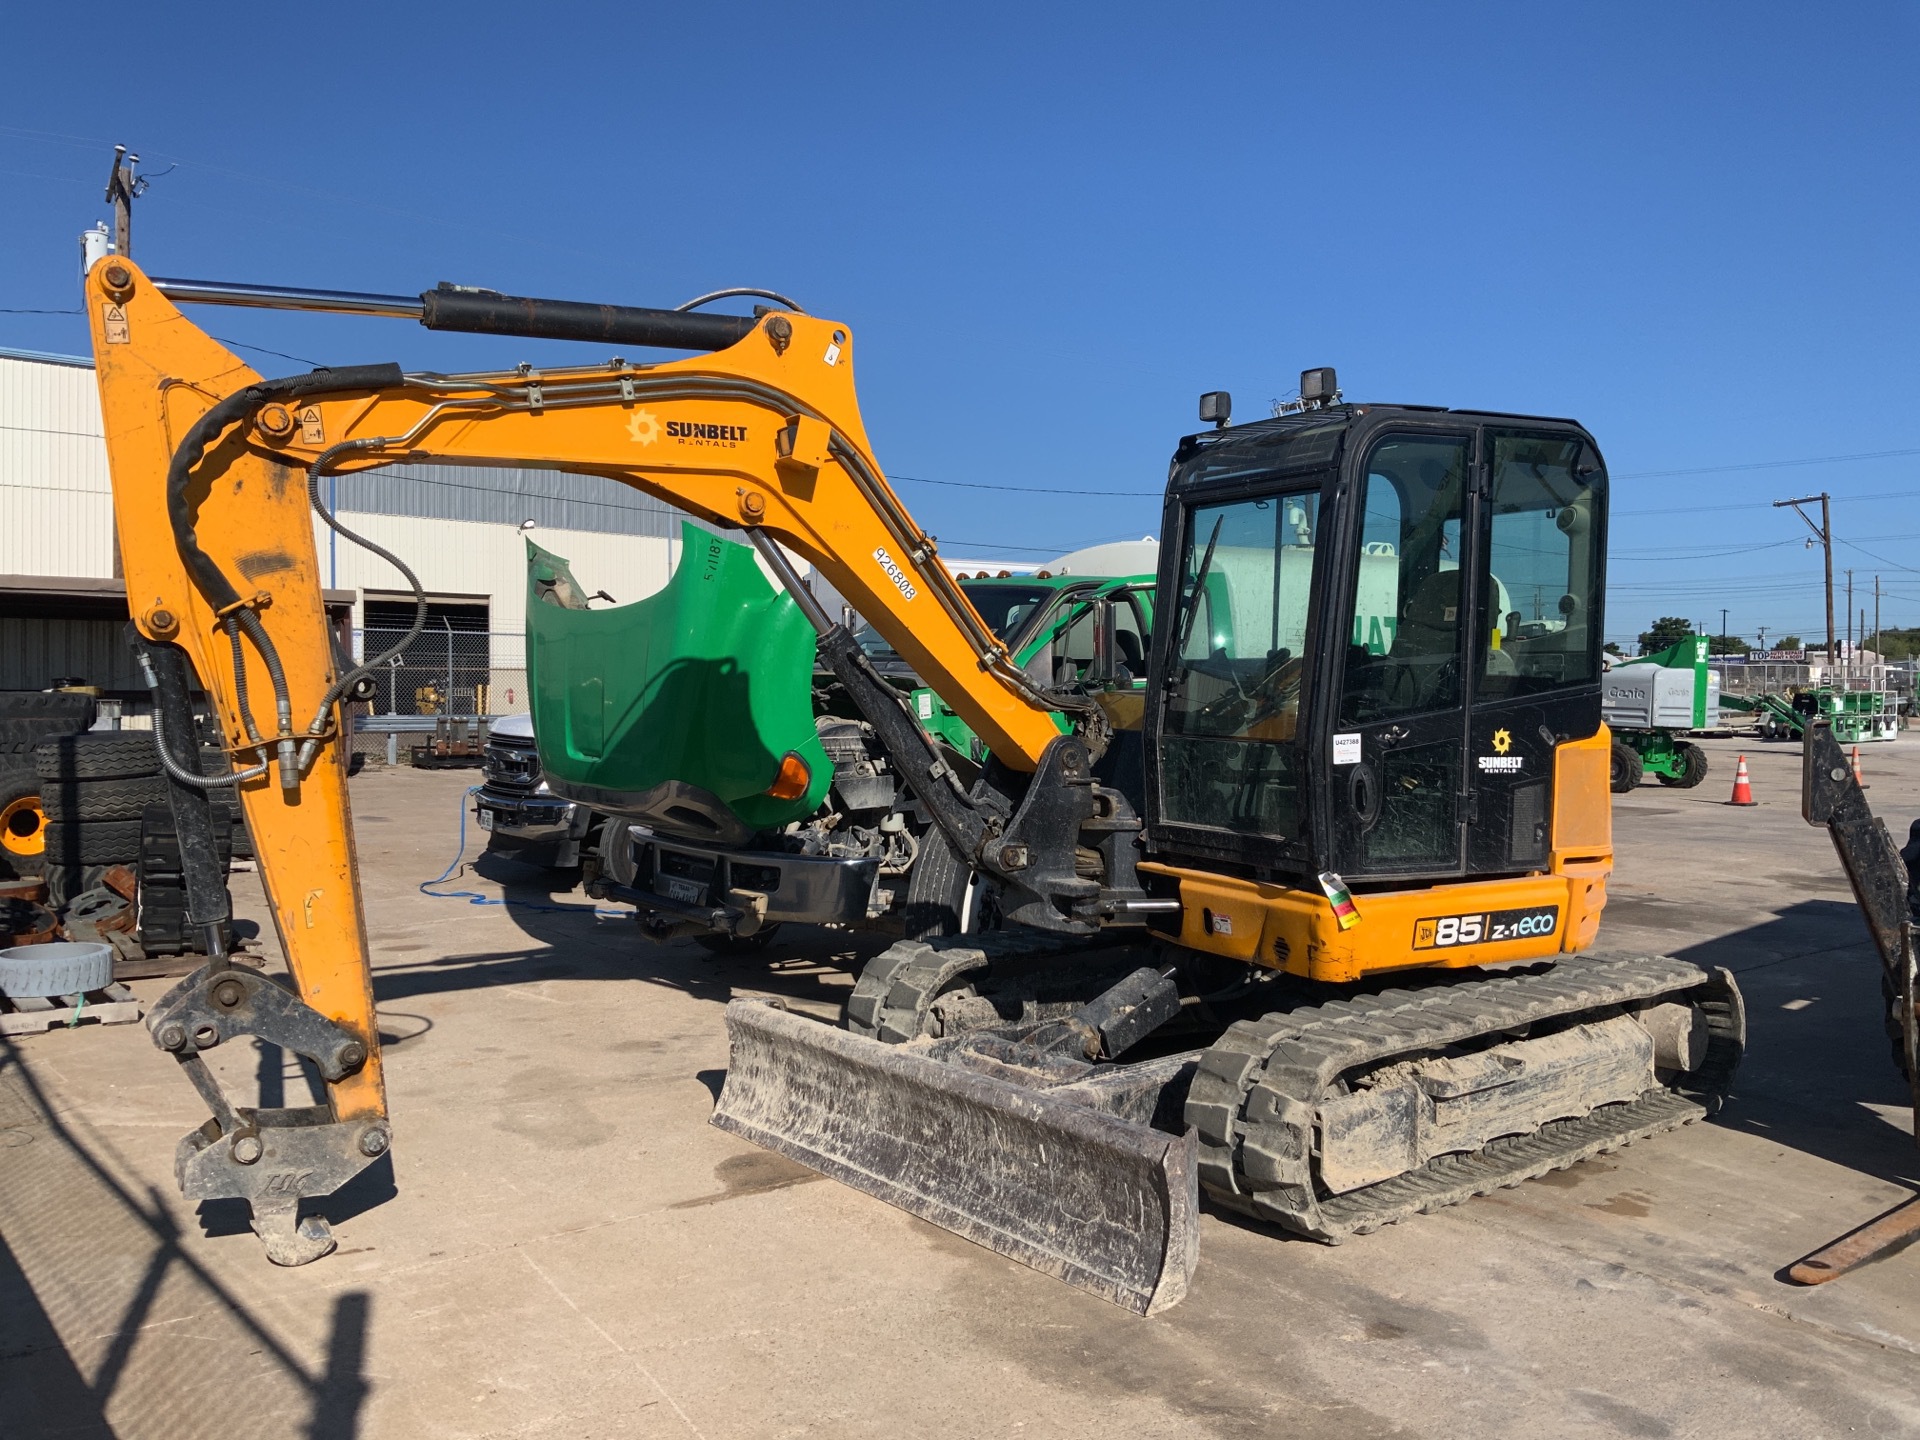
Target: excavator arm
[[216, 476]]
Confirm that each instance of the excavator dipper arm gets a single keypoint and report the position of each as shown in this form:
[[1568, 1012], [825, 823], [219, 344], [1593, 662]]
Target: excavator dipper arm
[[215, 476]]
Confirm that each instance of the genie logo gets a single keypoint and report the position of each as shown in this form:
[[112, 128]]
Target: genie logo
[[895, 574]]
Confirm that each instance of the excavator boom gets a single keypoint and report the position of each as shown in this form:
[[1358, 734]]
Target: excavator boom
[[216, 477]]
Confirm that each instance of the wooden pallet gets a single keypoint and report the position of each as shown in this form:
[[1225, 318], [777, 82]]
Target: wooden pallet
[[30, 1015], [140, 966]]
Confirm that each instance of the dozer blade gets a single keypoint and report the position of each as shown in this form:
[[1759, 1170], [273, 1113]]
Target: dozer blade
[[1106, 1204]]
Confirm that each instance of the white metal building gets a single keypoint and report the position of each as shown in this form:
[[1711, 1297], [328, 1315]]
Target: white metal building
[[462, 528], [62, 608]]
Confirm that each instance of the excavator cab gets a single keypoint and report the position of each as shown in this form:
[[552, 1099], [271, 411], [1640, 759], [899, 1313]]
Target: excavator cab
[[1385, 630]]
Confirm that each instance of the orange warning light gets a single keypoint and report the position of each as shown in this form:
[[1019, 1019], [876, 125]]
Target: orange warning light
[[792, 781]]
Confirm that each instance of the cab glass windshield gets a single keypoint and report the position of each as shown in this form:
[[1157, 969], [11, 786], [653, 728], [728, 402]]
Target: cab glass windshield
[[1237, 682]]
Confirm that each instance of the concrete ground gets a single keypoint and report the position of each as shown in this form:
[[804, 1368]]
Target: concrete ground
[[562, 1246]]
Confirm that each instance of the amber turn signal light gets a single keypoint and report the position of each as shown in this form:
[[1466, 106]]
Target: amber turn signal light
[[792, 781]]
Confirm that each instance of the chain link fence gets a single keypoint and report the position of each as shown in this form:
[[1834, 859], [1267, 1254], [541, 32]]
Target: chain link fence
[[446, 685]]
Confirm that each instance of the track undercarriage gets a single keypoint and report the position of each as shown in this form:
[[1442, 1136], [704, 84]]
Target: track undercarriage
[[973, 1089]]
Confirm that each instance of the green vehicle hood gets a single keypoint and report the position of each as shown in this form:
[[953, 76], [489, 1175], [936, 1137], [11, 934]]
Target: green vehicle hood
[[708, 683]]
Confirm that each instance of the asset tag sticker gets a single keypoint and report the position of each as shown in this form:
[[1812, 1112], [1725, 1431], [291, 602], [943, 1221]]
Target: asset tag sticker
[[1488, 926], [1346, 749]]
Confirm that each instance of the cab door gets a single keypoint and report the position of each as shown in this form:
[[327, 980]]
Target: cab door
[[1397, 752], [1536, 642]]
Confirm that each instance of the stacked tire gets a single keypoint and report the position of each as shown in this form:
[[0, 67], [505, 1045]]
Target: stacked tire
[[28, 717], [95, 787]]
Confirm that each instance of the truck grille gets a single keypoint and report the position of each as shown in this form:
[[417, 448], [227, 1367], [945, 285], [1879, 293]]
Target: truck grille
[[511, 767]]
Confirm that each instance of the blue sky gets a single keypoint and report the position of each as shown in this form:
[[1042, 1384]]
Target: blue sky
[[1689, 226]]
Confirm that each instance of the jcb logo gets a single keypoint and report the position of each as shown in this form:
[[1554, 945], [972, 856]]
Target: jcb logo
[[1448, 930], [288, 1182]]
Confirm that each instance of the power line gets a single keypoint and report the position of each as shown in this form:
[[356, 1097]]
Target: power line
[[1682, 553], [1027, 489], [262, 350], [1766, 464], [1893, 564], [1764, 504]]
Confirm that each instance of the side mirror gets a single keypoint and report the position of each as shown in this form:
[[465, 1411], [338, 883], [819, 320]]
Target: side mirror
[[1109, 667]]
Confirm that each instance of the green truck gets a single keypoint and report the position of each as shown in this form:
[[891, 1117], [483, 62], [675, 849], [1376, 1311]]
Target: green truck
[[1651, 704], [740, 789]]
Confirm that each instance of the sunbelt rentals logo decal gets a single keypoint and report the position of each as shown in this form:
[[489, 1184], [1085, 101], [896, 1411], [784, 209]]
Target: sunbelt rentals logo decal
[[1500, 762], [644, 427]]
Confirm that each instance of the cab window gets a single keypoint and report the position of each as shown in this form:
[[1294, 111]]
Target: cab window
[[1536, 629]]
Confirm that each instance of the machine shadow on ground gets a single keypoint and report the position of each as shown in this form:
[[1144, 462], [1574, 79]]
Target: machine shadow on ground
[[1818, 1075], [103, 1312], [804, 964]]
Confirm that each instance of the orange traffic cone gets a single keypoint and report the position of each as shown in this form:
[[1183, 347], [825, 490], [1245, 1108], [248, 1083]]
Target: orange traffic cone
[[1856, 769], [1742, 787]]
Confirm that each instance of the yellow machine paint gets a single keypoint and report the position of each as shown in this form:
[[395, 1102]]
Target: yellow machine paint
[[1286, 928]]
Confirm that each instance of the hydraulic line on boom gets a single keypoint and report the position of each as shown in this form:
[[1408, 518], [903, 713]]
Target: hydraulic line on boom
[[223, 577]]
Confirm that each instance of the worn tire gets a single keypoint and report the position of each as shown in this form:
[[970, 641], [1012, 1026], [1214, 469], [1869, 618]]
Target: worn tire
[[107, 842], [23, 824], [66, 881], [40, 713], [937, 890], [97, 755], [1693, 768], [87, 802], [1627, 769]]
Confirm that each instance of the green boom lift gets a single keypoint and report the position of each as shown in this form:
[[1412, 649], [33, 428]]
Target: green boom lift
[[1651, 704]]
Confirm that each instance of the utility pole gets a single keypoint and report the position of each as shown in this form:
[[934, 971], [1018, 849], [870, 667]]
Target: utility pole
[[1761, 631], [1823, 532], [123, 188], [1878, 648], [1849, 650], [1723, 629]]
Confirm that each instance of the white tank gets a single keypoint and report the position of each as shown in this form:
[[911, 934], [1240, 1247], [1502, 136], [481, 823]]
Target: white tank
[[95, 245]]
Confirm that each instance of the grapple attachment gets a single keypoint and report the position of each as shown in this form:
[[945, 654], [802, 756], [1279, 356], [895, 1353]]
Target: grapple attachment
[[1039, 1175]]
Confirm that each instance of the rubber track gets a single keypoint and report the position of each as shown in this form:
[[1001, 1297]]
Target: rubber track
[[896, 990], [1259, 1088]]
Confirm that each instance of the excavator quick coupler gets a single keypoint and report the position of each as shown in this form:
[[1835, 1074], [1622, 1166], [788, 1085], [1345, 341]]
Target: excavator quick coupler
[[271, 1158]]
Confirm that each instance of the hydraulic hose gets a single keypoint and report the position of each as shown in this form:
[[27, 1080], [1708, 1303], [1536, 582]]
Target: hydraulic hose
[[316, 728], [239, 406], [172, 766], [181, 513], [240, 682]]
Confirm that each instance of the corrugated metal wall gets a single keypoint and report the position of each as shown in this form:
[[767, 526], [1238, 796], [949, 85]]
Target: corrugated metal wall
[[464, 557], [495, 495], [56, 507], [458, 526], [34, 653]]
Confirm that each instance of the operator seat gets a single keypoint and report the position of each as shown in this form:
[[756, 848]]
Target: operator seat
[[1427, 638]]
